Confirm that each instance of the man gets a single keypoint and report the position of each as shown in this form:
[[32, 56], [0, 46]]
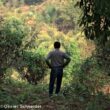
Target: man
[[56, 60]]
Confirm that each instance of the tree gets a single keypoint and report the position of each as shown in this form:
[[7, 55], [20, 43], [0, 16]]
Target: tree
[[96, 20], [12, 32], [96, 23]]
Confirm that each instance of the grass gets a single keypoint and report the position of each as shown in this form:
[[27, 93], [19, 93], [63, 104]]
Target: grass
[[22, 94]]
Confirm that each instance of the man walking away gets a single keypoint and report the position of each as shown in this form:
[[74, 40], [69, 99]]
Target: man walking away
[[56, 60]]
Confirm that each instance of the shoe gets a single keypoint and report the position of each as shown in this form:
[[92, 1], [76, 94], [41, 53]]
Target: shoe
[[56, 94]]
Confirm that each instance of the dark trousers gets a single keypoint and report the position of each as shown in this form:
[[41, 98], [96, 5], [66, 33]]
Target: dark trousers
[[56, 73]]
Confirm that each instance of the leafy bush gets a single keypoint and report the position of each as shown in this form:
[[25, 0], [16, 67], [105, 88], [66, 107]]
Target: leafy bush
[[89, 80], [90, 76], [50, 14], [103, 59], [12, 32], [35, 64], [72, 49], [99, 102]]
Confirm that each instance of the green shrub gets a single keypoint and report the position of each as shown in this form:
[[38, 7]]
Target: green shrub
[[50, 14], [12, 32], [89, 79], [99, 102], [35, 64], [74, 52]]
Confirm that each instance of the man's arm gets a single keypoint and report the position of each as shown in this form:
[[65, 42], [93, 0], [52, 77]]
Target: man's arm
[[67, 62], [48, 63], [47, 60], [68, 59]]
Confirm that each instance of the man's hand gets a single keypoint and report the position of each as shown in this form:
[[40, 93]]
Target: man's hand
[[50, 66], [48, 63], [64, 66], [67, 62]]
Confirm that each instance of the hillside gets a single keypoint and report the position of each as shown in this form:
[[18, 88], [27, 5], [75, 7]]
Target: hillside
[[28, 30]]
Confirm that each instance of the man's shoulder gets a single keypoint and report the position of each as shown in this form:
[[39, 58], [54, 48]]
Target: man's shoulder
[[51, 52], [57, 51], [62, 52]]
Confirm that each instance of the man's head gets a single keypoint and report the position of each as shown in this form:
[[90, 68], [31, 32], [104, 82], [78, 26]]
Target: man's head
[[56, 45]]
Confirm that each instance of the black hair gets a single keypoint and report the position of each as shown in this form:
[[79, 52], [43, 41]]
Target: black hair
[[57, 44]]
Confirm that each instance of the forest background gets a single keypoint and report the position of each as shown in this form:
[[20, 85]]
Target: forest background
[[28, 29]]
